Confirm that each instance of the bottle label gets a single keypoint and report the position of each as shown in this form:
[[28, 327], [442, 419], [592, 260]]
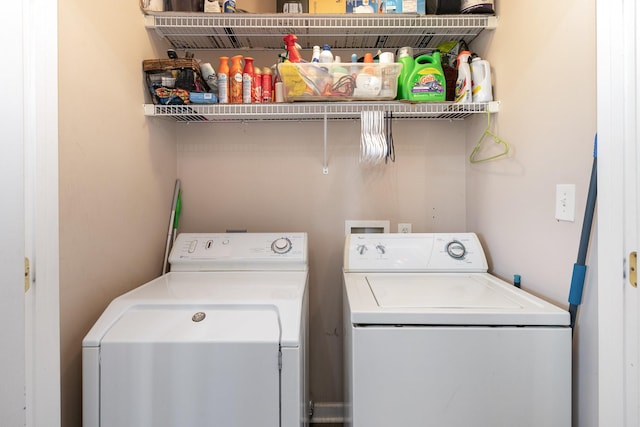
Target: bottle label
[[463, 94], [256, 89], [236, 88], [223, 89], [266, 88], [247, 83], [428, 81]]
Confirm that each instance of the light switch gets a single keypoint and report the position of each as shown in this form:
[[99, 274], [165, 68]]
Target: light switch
[[566, 202]]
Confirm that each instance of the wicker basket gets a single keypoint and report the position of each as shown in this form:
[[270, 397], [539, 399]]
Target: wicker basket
[[170, 81]]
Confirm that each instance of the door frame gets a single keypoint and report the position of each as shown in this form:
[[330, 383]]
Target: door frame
[[41, 219], [617, 92], [12, 329]]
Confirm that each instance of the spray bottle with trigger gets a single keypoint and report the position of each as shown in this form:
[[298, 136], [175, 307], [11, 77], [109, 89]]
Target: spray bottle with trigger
[[290, 41]]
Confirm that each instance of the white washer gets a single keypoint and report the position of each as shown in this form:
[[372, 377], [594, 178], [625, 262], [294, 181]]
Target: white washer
[[220, 340], [432, 339]]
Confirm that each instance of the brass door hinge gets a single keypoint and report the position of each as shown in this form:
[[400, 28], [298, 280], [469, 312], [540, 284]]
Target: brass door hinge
[[27, 275], [633, 269]]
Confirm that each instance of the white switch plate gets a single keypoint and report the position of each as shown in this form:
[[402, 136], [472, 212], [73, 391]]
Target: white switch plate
[[566, 202]]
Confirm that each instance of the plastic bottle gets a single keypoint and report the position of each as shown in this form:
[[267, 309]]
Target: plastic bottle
[[247, 80], [426, 82], [463, 82], [326, 56], [290, 42], [235, 80], [405, 57], [481, 80], [229, 6], [223, 80], [256, 88], [315, 57], [389, 78], [267, 85]]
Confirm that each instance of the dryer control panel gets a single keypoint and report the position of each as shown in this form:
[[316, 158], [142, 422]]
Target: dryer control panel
[[239, 251], [418, 252]]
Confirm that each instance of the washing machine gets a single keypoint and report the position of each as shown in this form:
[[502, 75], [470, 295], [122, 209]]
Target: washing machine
[[220, 340], [432, 339]]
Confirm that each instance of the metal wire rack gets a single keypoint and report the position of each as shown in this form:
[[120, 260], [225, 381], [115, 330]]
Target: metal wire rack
[[200, 31], [195, 31], [316, 111]]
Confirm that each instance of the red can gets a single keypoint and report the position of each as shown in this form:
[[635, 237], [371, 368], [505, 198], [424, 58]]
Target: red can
[[256, 89], [267, 85]]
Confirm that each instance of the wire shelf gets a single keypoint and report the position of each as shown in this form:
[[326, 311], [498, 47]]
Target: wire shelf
[[316, 111], [196, 31]]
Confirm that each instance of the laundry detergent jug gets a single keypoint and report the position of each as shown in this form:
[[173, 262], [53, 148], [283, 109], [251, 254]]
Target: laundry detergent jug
[[425, 81]]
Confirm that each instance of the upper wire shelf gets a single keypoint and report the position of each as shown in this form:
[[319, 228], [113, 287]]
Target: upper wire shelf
[[316, 111], [195, 31]]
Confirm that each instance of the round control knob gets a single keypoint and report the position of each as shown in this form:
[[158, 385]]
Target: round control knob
[[281, 245], [456, 249]]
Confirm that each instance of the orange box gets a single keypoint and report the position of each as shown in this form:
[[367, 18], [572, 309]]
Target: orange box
[[327, 6]]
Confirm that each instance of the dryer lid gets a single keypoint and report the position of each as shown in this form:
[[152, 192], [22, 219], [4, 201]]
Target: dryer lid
[[177, 296], [201, 323]]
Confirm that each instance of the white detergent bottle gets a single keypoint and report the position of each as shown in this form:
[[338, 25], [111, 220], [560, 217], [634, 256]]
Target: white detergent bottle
[[481, 80], [325, 55], [463, 83]]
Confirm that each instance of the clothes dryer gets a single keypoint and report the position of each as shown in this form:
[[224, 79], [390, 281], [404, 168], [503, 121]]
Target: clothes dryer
[[432, 339], [219, 340]]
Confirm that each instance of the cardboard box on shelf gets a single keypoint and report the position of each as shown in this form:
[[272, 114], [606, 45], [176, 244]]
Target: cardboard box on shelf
[[362, 6], [404, 6], [327, 6]]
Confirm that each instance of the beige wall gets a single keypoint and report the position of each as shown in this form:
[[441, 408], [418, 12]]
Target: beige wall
[[544, 59], [545, 79], [268, 177], [117, 171]]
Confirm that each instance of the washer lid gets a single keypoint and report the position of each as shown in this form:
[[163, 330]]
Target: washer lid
[[253, 294], [438, 291], [444, 299]]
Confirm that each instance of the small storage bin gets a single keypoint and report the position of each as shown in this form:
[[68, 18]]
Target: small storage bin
[[171, 81], [313, 81]]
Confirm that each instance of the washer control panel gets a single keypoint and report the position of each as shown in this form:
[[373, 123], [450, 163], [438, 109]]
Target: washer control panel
[[239, 251], [419, 252]]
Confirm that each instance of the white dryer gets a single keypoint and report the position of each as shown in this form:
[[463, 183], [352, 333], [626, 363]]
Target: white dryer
[[432, 339], [220, 340]]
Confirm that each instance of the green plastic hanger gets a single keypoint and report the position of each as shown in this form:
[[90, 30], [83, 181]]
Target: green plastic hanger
[[488, 133]]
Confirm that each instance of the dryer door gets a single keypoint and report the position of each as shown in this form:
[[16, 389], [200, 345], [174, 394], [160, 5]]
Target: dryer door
[[191, 366]]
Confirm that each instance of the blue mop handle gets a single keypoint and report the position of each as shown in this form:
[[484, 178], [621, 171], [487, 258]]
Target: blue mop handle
[[580, 268]]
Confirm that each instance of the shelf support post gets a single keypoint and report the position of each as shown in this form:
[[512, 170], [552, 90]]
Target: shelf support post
[[325, 164]]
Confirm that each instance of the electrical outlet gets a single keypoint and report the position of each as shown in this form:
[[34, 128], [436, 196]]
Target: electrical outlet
[[566, 202], [404, 228]]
